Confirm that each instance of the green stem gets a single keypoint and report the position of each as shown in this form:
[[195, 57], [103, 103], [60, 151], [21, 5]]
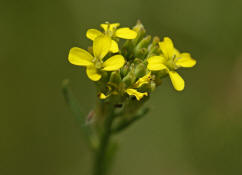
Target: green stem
[[126, 123], [100, 164]]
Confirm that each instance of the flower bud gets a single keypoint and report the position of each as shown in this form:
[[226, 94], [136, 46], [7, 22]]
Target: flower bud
[[139, 28], [140, 70], [153, 48], [125, 69], [137, 61], [156, 40], [130, 77], [115, 77], [141, 48], [143, 43], [141, 53]]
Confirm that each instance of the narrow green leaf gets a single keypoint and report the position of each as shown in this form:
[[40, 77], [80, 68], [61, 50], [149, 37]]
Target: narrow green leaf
[[72, 102], [75, 108]]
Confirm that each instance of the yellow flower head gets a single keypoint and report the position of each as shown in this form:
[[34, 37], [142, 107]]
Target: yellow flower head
[[111, 31], [94, 63], [170, 60]]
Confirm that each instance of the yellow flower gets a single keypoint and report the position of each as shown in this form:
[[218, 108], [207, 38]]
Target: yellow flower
[[95, 64], [138, 95], [111, 31], [143, 80], [170, 60], [103, 96]]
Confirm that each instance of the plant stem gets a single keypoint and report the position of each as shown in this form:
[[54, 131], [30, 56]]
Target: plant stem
[[100, 164]]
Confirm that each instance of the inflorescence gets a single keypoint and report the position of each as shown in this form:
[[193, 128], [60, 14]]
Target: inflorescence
[[130, 68]]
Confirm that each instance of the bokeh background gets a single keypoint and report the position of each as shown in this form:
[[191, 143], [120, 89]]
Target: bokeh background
[[195, 132]]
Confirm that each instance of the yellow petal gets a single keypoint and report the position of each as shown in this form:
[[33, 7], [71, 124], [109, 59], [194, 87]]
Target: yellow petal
[[157, 67], [101, 46], [125, 33], [114, 63], [167, 47], [185, 60], [80, 57], [111, 27], [103, 96], [138, 95], [114, 47], [93, 33], [176, 52], [177, 81], [92, 73], [155, 63], [156, 60], [143, 80]]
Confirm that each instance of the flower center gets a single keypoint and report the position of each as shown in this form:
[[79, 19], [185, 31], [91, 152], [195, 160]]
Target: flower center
[[97, 62], [110, 30], [170, 63]]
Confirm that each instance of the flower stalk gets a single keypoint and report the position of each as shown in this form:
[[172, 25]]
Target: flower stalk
[[100, 162]]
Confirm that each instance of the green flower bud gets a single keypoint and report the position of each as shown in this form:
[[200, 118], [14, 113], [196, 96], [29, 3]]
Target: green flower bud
[[141, 48], [139, 28], [156, 40], [105, 77], [140, 70], [137, 61], [125, 69], [143, 43], [115, 78], [130, 77], [141, 53], [153, 48]]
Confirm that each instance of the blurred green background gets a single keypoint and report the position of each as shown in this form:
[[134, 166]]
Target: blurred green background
[[195, 132]]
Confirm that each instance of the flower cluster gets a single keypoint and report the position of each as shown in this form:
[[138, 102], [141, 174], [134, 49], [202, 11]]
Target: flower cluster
[[134, 67]]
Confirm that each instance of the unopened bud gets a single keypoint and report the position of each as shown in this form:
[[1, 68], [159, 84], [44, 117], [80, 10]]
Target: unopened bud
[[140, 70], [144, 42], [156, 40], [137, 61], [115, 77], [153, 48], [129, 78], [139, 28], [142, 45], [141, 53], [125, 69]]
